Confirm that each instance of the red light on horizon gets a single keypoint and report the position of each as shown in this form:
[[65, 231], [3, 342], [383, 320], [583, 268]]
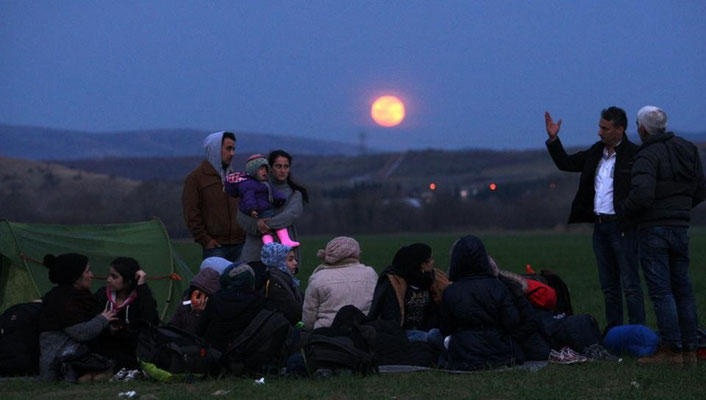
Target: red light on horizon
[[432, 186], [493, 186]]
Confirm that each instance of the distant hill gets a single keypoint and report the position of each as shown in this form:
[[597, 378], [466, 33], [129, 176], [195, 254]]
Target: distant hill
[[38, 143]]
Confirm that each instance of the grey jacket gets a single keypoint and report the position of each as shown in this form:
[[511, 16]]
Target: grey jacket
[[53, 344], [667, 182], [284, 218]]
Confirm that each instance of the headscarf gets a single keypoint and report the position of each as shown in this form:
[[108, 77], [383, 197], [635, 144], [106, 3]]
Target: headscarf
[[212, 145], [340, 250], [238, 276], [218, 264], [407, 264], [274, 255], [468, 257]]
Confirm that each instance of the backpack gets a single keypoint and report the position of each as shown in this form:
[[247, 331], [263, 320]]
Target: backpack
[[563, 297], [337, 352], [230, 184], [19, 339], [261, 347], [168, 353]]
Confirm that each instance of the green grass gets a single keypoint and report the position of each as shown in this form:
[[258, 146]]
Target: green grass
[[569, 254]]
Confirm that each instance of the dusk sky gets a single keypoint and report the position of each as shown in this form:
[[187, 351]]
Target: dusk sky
[[471, 73]]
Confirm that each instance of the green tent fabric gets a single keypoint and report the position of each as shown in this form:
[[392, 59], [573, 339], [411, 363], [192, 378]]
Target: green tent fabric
[[23, 246]]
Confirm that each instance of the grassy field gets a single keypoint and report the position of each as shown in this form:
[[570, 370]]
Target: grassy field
[[569, 254]]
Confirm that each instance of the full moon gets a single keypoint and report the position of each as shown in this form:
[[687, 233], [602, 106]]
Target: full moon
[[387, 111]]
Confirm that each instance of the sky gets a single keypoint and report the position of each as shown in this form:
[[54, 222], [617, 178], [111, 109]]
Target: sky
[[472, 74]]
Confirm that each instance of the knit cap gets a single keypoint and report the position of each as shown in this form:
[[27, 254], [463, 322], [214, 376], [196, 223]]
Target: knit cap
[[238, 276], [254, 163], [339, 249], [217, 263], [66, 268]]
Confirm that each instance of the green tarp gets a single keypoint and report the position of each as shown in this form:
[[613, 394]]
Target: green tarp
[[23, 246]]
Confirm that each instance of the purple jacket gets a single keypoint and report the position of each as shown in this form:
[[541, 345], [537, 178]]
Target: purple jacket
[[255, 196]]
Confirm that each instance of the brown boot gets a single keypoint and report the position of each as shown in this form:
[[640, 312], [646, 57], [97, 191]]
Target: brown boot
[[689, 358], [663, 356]]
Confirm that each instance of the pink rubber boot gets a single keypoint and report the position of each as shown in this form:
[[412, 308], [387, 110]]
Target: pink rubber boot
[[267, 239], [283, 236]]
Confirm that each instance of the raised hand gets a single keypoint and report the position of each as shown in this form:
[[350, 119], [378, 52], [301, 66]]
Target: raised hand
[[552, 128], [141, 277]]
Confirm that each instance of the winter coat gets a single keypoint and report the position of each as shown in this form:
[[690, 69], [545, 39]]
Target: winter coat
[[284, 217], [281, 293], [390, 295], [227, 314], [667, 182], [478, 312], [210, 213], [258, 196], [119, 341], [334, 286], [586, 162]]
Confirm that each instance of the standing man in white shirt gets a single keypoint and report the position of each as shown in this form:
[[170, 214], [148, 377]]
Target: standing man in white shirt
[[604, 184]]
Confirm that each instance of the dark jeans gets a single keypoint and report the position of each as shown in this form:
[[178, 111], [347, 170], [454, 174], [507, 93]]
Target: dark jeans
[[230, 252], [618, 268], [664, 255]]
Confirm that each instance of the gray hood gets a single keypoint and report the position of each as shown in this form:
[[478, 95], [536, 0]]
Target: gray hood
[[212, 146]]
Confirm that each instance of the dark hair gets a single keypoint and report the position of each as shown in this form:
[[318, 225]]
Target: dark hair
[[127, 267], [228, 135], [281, 153], [615, 115]]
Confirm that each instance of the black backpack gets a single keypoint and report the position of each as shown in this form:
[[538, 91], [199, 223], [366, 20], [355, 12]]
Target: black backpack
[[175, 351], [19, 339], [337, 352], [563, 297], [261, 347]]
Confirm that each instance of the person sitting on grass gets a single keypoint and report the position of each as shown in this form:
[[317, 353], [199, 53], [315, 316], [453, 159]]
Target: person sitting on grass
[[204, 285], [281, 287], [339, 281], [71, 323], [128, 294], [230, 311], [477, 313], [409, 292]]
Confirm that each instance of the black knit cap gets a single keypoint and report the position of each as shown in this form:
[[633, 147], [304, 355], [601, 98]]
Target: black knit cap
[[65, 269]]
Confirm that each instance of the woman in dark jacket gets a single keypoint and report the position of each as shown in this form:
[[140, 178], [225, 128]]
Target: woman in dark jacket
[[281, 287], [409, 292], [71, 322], [128, 295], [477, 312]]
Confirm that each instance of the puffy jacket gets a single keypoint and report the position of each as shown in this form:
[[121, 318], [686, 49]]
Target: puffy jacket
[[333, 286], [255, 196], [667, 182]]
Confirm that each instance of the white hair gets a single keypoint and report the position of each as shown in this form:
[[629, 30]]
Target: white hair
[[653, 119]]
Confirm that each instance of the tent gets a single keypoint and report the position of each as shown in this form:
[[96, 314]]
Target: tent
[[23, 246]]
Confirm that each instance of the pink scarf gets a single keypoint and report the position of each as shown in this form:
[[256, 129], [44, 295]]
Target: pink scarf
[[113, 303]]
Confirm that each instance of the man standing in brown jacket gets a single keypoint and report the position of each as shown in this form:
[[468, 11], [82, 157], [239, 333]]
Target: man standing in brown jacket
[[210, 213]]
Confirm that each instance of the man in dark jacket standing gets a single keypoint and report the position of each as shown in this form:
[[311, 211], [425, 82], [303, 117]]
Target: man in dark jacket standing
[[604, 184], [667, 182], [210, 213]]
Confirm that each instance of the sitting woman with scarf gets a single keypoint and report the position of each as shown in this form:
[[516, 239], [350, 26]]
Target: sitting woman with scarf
[[409, 292], [128, 295], [281, 287], [477, 312], [70, 323]]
